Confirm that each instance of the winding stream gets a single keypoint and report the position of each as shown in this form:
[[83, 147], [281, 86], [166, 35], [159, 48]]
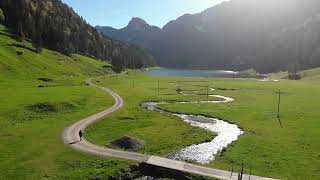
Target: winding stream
[[203, 153]]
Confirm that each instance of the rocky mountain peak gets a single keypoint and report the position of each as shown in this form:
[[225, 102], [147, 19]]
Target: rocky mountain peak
[[137, 22]]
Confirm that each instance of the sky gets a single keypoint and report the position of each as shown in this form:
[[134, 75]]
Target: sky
[[117, 13]]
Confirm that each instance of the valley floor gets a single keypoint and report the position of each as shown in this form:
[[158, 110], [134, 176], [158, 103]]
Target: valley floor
[[291, 152]]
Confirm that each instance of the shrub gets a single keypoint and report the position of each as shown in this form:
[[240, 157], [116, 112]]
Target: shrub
[[294, 76]]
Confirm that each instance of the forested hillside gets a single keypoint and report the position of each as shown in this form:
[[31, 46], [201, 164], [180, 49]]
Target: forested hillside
[[298, 44], [54, 25]]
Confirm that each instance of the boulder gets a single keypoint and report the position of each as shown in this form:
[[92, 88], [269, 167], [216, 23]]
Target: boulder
[[129, 143]]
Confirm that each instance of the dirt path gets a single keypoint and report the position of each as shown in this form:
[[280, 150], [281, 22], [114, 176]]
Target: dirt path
[[70, 137]]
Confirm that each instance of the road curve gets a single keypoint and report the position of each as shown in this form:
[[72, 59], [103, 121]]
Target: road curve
[[70, 137]]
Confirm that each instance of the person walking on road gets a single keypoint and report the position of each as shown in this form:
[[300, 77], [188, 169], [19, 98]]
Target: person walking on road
[[80, 134]]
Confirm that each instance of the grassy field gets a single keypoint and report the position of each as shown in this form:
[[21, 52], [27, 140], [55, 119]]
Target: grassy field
[[291, 152], [40, 95], [162, 134]]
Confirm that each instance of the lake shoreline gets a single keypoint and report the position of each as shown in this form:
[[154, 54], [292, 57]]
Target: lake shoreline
[[201, 73]]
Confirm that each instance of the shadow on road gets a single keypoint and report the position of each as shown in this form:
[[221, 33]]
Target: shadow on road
[[74, 142]]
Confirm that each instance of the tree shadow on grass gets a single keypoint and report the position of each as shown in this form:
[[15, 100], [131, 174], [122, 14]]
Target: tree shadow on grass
[[280, 122], [22, 46], [13, 36]]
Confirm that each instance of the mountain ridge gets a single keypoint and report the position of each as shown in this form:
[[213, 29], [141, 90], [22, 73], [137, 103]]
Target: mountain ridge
[[138, 31], [234, 35]]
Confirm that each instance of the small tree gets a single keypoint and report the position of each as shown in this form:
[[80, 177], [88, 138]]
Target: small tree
[[293, 71], [117, 64], [37, 41], [2, 17], [20, 31]]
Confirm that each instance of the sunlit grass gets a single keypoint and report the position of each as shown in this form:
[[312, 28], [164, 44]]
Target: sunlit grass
[[33, 113], [291, 152]]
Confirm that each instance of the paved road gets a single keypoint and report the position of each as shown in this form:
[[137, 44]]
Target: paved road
[[71, 137]]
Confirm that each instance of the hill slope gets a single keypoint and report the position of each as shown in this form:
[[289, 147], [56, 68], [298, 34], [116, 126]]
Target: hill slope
[[53, 24], [241, 34], [313, 74], [41, 94], [19, 61]]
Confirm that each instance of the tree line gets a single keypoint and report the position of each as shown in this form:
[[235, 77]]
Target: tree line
[[54, 25]]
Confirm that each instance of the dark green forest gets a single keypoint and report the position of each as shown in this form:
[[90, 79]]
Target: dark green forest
[[54, 25]]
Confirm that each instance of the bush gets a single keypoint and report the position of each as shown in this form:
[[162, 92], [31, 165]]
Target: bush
[[46, 107], [19, 53], [294, 76]]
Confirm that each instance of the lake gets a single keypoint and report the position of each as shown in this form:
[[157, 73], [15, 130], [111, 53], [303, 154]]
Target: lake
[[193, 73]]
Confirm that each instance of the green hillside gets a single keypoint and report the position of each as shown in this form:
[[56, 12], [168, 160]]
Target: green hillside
[[30, 65], [312, 74], [40, 95], [56, 26]]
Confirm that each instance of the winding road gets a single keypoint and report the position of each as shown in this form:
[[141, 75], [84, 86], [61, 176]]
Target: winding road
[[70, 137]]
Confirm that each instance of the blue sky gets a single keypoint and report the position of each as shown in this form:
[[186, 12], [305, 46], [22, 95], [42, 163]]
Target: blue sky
[[117, 13]]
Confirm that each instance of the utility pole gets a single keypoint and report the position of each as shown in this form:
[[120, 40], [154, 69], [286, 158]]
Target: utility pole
[[207, 93], [250, 172], [279, 101], [240, 175], [158, 85], [231, 171]]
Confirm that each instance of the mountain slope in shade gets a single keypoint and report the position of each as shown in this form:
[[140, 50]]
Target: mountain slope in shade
[[299, 44], [234, 35]]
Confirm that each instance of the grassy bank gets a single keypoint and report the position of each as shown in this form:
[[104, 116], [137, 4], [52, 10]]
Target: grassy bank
[[310, 74]]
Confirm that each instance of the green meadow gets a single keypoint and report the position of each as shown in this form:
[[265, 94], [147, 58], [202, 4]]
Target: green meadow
[[291, 152], [40, 95], [162, 134]]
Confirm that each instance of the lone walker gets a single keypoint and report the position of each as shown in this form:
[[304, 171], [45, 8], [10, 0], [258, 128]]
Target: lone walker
[[80, 135]]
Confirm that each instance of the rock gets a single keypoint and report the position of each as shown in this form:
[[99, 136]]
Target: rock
[[128, 142]]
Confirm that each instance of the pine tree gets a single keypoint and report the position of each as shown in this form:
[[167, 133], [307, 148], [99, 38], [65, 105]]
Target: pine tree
[[117, 64], [20, 31], [37, 41], [2, 17]]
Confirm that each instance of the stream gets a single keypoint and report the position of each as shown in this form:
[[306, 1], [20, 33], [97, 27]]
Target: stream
[[203, 153]]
